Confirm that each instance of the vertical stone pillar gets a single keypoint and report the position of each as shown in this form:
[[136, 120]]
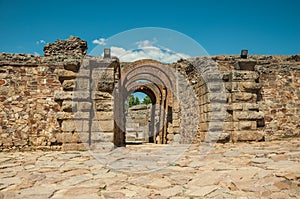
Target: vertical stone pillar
[[245, 87]]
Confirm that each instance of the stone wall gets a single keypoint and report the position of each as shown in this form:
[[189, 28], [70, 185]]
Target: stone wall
[[137, 123], [280, 96], [28, 110], [46, 101], [43, 98], [262, 96]]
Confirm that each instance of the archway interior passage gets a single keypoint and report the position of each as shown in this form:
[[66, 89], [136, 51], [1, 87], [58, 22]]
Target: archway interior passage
[[155, 80], [139, 117]]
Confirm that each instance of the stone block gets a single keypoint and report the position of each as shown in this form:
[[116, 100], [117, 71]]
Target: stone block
[[216, 86], [68, 138], [203, 126], [99, 95], [170, 137], [82, 84], [228, 86], [247, 125], [248, 115], [105, 86], [244, 75], [245, 65], [73, 147], [215, 126], [59, 137], [81, 137], [68, 85], [72, 65], [81, 95], [250, 106], [228, 126], [217, 97], [217, 116], [176, 123], [63, 95], [132, 125], [102, 146], [84, 106], [249, 136], [68, 126], [82, 125], [228, 117], [249, 86], [81, 115], [71, 115], [75, 125], [212, 76], [102, 137], [244, 97], [68, 106], [103, 126], [104, 105], [83, 73], [65, 74]]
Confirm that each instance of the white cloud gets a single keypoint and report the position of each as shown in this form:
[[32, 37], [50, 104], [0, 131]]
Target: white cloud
[[36, 54], [146, 50], [100, 41], [41, 41], [146, 43]]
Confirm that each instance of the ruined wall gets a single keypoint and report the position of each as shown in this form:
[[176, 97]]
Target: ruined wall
[[280, 95], [39, 108], [262, 96], [27, 109]]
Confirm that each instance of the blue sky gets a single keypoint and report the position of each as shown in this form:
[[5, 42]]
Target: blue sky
[[221, 27]]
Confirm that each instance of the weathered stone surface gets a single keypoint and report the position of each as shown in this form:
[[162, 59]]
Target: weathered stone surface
[[68, 106], [103, 126], [244, 97], [250, 86], [249, 136], [68, 125], [248, 115], [245, 65], [60, 95], [68, 85], [73, 47], [244, 75], [84, 106], [37, 96], [241, 169]]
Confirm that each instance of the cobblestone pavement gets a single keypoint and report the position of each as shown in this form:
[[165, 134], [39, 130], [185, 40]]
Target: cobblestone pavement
[[242, 170]]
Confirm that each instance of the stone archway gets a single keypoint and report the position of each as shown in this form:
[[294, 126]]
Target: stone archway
[[158, 82]]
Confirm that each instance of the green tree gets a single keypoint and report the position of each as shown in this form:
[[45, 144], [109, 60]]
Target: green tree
[[137, 101], [146, 100], [131, 101]]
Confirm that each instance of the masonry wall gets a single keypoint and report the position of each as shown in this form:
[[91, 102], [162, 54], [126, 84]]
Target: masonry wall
[[28, 112], [37, 98], [280, 96]]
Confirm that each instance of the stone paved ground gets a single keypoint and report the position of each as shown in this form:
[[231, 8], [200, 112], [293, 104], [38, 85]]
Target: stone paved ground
[[242, 170]]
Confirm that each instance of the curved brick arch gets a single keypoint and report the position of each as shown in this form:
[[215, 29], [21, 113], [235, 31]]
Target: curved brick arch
[[149, 77], [139, 86], [157, 126], [153, 67]]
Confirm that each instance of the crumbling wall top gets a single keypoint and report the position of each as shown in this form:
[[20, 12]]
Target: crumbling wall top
[[72, 47]]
